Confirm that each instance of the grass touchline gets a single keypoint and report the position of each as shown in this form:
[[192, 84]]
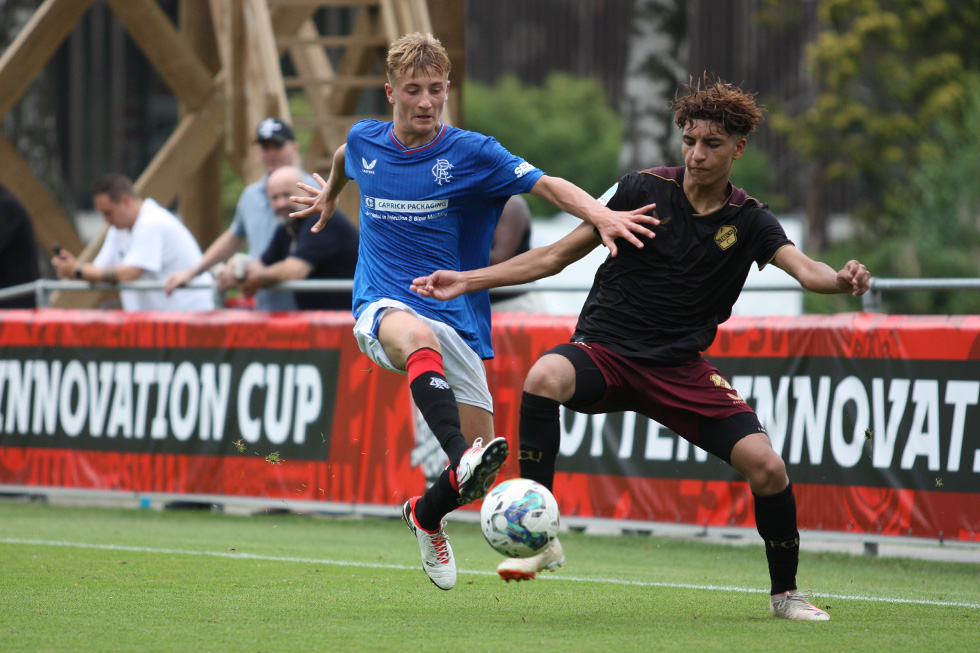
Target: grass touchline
[[372, 565]]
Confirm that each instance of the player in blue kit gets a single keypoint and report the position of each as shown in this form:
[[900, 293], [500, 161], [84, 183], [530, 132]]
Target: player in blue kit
[[431, 196]]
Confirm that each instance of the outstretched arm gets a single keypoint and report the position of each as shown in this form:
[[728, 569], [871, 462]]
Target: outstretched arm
[[819, 277], [219, 251], [259, 275], [68, 267], [611, 224], [323, 200], [529, 266]]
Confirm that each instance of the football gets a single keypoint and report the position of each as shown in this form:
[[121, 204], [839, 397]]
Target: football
[[519, 518]]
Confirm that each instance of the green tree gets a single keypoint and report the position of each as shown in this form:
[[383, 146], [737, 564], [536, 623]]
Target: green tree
[[753, 174], [895, 86], [566, 127], [933, 223], [887, 72]]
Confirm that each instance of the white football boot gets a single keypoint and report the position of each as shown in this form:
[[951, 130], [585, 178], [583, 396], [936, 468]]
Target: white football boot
[[437, 556], [790, 605], [520, 569], [477, 469]]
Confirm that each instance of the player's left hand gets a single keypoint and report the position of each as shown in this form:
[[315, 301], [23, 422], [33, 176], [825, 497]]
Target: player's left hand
[[626, 225], [854, 278], [441, 285]]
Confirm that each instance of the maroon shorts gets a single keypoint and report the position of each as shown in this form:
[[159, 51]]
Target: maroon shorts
[[692, 399]]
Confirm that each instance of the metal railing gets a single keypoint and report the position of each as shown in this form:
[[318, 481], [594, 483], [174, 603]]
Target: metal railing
[[42, 288], [871, 300]]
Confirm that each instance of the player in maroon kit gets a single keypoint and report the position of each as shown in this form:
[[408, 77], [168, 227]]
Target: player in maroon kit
[[652, 311]]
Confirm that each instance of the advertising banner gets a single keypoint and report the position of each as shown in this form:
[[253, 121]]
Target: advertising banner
[[877, 417]]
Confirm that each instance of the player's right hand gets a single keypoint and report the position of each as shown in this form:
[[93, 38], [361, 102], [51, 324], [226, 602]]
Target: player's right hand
[[318, 201], [626, 225]]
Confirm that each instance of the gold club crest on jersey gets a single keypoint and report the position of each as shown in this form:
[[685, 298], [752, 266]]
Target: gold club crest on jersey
[[726, 236]]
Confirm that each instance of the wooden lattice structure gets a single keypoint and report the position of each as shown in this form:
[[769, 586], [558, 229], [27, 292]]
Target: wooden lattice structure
[[223, 62]]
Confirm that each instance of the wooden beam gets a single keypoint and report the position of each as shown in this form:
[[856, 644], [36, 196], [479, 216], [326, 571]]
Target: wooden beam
[[352, 81], [229, 30], [270, 70], [166, 48], [21, 62], [335, 41], [323, 3], [240, 130], [200, 205], [286, 21], [357, 60], [449, 26], [311, 60], [51, 224], [191, 143]]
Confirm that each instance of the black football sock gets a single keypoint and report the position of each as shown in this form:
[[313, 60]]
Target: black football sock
[[540, 430], [437, 502], [775, 518], [436, 401]]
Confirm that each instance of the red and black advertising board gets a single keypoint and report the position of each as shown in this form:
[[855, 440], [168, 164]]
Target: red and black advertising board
[[877, 417]]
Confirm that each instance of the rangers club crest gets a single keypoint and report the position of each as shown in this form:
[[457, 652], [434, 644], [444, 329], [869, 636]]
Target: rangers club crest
[[441, 171]]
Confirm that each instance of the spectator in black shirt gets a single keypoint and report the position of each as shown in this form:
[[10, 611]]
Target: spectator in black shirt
[[295, 252], [18, 249]]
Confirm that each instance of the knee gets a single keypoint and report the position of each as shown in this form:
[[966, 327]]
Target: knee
[[768, 475], [421, 336], [412, 339], [553, 377], [401, 334]]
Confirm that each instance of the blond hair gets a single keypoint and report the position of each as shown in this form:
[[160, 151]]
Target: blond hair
[[417, 53]]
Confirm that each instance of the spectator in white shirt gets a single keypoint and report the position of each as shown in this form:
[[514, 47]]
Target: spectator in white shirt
[[144, 241]]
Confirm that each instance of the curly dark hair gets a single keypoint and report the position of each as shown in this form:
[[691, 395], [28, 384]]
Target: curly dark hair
[[714, 100]]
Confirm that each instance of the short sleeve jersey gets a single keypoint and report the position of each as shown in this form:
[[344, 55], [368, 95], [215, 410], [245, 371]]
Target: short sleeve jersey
[[662, 304], [160, 245], [331, 252], [428, 208], [255, 221]]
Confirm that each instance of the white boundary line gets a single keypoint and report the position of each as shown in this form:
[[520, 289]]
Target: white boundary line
[[374, 565]]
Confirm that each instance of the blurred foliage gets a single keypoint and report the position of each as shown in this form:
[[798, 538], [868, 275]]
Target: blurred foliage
[[753, 174], [933, 229], [896, 112], [887, 71], [566, 127]]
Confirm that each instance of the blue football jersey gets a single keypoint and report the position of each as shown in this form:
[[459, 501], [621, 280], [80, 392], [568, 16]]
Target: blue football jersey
[[428, 208]]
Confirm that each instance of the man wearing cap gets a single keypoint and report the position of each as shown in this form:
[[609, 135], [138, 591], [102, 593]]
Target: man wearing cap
[[255, 221]]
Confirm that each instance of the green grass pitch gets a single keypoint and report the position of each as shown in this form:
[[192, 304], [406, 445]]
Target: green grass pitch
[[122, 579]]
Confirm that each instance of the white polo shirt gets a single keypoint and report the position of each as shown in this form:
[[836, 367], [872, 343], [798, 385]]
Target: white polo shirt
[[160, 245]]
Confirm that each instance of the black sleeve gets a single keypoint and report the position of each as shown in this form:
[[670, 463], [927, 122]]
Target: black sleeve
[[278, 247], [624, 197], [769, 237], [12, 216]]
